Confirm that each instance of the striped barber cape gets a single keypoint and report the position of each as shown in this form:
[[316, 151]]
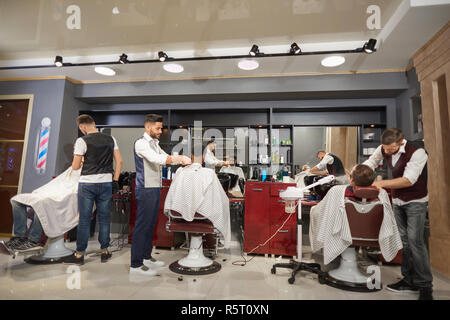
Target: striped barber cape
[[329, 228]]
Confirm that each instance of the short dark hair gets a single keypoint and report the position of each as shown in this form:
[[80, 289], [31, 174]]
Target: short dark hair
[[392, 135], [85, 119], [152, 118], [210, 142], [363, 175]]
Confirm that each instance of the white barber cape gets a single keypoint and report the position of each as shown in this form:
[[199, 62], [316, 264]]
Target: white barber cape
[[197, 189], [55, 203], [329, 228]]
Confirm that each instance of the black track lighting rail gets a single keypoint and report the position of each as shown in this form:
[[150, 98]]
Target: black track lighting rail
[[170, 59]]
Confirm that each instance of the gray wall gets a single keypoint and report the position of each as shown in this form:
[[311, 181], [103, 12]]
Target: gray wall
[[48, 101], [405, 107], [308, 140], [125, 140]]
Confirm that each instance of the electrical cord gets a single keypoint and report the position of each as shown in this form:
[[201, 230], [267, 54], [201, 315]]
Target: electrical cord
[[245, 261]]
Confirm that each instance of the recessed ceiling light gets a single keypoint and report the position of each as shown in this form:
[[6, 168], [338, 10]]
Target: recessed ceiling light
[[105, 71], [333, 61], [173, 67], [115, 10], [248, 64]]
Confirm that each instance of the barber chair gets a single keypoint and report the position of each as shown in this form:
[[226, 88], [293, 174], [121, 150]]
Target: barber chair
[[195, 263], [321, 190], [364, 218], [54, 250]]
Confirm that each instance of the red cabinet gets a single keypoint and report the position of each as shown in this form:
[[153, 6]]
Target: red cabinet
[[264, 215], [161, 238]]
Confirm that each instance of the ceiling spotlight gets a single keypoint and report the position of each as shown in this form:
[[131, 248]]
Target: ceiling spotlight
[[295, 49], [333, 61], [254, 51], [369, 46], [162, 56], [105, 71], [58, 61], [123, 59]]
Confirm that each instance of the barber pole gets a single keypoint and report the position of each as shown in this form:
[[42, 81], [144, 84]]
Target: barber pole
[[44, 135]]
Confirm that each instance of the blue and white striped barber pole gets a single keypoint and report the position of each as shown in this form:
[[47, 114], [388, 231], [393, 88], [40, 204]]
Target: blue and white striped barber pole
[[44, 135]]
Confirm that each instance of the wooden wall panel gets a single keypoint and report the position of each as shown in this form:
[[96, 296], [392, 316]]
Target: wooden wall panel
[[432, 64]]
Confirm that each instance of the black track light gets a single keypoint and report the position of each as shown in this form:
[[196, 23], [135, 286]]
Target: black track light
[[162, 56], [254, 51], [295, 49], [369, 46], [58, 61], [123, 59]]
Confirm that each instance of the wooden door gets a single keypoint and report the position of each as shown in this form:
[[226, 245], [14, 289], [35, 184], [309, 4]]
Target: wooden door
[[13, 121]]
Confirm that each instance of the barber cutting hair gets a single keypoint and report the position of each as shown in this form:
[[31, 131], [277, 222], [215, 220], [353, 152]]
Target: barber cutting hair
[[96, 184], [210, 159], [329, 164], [410, 200], [149, 159]]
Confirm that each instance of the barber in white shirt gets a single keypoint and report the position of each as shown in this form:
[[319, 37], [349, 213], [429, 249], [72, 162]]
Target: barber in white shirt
[[149, 159], [329, 164], [410, 201], [210, 159]]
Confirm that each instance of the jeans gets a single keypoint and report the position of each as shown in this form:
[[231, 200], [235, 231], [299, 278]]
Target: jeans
[[20, 222], [410, 220], [147, 214], [101, 194]]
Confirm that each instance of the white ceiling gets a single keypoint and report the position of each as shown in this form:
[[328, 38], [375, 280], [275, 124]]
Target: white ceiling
[[34, 32]]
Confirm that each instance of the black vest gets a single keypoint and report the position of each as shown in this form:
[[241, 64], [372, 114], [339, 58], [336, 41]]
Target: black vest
[[419, 189], [336, 168], [99, 155]]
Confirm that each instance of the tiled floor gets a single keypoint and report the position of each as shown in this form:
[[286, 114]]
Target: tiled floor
[[19, 280]]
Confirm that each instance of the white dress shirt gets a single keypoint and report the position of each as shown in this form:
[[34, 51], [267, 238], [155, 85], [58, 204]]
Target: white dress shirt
[[327, 159], [210, 159], [153, 158], [412, 171]]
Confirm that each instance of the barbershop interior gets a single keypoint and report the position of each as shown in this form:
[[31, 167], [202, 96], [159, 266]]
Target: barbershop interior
[[224, 150]]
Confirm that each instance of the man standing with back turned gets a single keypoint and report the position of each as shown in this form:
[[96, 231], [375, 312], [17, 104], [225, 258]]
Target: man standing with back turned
[[410, 201], [149, 158], [96, 185]]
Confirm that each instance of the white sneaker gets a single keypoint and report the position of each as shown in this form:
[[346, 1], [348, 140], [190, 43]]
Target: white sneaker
[[143, 270], [153, 263]]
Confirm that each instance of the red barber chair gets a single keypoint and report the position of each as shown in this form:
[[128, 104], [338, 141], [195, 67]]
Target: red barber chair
[[195, 263], [365, 215]]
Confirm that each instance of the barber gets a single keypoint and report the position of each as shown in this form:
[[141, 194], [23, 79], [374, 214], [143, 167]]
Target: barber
[[94, 152], [149, 159], [410, 201], [329, 164], [210, 159]]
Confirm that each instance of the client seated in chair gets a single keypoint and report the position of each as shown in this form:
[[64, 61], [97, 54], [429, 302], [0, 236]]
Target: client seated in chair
[[197, 194], [329, 226], [55, 209]]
